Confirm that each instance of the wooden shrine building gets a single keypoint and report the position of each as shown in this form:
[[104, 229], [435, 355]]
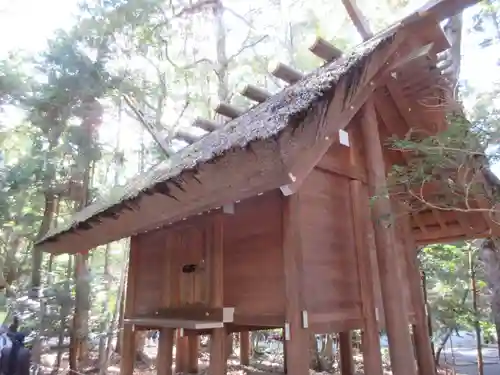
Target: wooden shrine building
[[266, 220]]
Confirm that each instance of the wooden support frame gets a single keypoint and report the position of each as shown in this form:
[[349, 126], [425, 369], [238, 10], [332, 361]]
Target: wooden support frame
[[420, 224], [255, 93], [488, 214], [218, 360], [128, 346], [164, 358], [324, 49], [439, 218], [228, 110], [419, 53], [296, 344], [206, 124], [229, 345], [245, 348], [423, 348], [284, 72], [370, 336], [181, 351], [442, 9], [346, 353], [173, 323], [193, 349], [396, 319], [187, 135], [465, 225], [358, 19], [194, 313]]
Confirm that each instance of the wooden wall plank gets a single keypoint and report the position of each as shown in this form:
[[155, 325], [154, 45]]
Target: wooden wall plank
[[329, 258], [253, 284], [150, 267]]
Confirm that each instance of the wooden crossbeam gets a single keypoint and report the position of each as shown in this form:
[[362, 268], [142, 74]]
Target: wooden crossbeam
[[453, 233], [489, 214], [284, 72], [187, 135], [439, 218], [358, 19], [416, 218], [444, 64], [228, 110], [324, 49], [255, 93], [442, 9], [206, 124], [415, 56], [172, 323], [463, 221], [415, 83], [391, 117], [194, 313], [429, 217]]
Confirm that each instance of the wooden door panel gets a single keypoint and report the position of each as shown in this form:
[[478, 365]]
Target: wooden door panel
[[189, 252]]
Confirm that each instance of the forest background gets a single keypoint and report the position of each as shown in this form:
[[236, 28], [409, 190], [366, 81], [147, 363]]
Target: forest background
[[73, 78]]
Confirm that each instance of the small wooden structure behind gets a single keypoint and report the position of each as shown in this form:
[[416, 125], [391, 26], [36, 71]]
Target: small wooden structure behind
[[267, 221]]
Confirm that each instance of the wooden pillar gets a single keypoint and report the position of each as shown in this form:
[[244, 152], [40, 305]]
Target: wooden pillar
[[423, 285], [229, 345], [127, 352], [245, 348], [285, 368], [370, 338], [346, 360], [193, 350], [181, 352], [296, 338], [164, 358], [396, 318], [128, 347], [413, 328], [423, 346], [218, 360]]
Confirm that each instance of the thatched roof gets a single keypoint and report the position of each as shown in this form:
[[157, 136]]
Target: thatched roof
[[266, 120]]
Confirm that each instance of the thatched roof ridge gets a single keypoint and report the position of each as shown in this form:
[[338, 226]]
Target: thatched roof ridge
[[263, 121]]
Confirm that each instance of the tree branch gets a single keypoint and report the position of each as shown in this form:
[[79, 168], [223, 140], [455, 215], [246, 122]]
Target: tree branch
[[247, 46], [199, 6], [140, 116]]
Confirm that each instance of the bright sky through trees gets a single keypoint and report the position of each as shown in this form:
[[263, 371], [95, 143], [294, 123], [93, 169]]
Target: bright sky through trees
[[27, 24]]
